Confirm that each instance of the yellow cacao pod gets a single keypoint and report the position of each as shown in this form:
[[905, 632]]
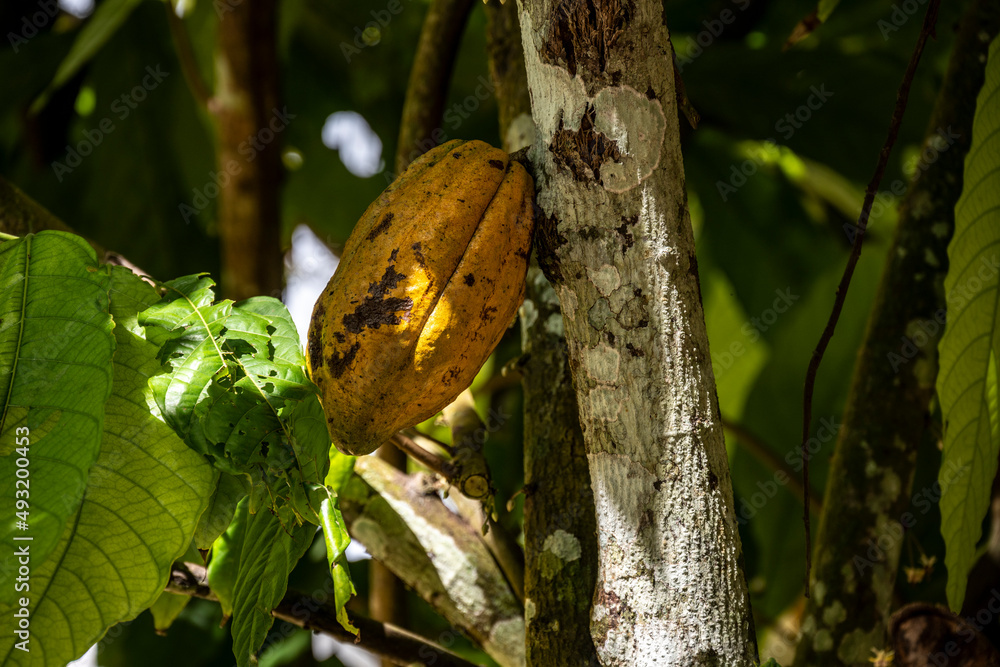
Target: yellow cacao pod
[[429, 280]]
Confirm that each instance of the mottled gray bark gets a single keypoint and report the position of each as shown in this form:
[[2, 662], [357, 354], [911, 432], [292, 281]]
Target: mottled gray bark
[[617, 242], [868, 492]]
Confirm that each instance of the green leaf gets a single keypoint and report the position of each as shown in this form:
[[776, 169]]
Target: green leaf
[[107, 18], [285, 339], [166, 609], [969, 349], [336, 538], [144, 495], [341, 467], [229, 490], [55, 375], [225, 563], [269, 553]]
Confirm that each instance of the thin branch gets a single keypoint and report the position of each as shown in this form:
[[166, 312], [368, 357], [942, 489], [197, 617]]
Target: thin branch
[[185, 54], [926, 30], [381, 639], [477, 505], [425, 458], [427, 91], [403, 523]]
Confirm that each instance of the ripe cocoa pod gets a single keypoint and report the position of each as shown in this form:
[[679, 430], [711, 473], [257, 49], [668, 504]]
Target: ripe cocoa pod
[[429, 280]]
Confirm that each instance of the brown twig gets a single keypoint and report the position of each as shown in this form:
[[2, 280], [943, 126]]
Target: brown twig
[[425, 458], [384, 640], [427, 91], [926, 30]]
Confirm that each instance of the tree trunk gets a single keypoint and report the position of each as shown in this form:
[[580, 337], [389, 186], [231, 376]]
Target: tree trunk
[[250, 121], [616, 241], [560, 543], [885, 421]]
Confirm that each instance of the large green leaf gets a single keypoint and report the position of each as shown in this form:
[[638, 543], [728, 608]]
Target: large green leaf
[[970, 347], [55, 375], [144, 495]]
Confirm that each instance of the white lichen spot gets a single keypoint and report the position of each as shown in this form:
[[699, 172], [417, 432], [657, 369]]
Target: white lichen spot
[[520, 133], [822, 641], [602, 363], [563, 545], [509, 635], [834, 614], [606, 279], [529, 610], [819, 592], [604, 404], [809, 625], [637, 124], [554, 325], [930, 258], [529, 313], [891, 485]]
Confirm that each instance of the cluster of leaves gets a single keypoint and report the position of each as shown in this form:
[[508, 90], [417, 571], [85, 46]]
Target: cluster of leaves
[[149, 415]]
